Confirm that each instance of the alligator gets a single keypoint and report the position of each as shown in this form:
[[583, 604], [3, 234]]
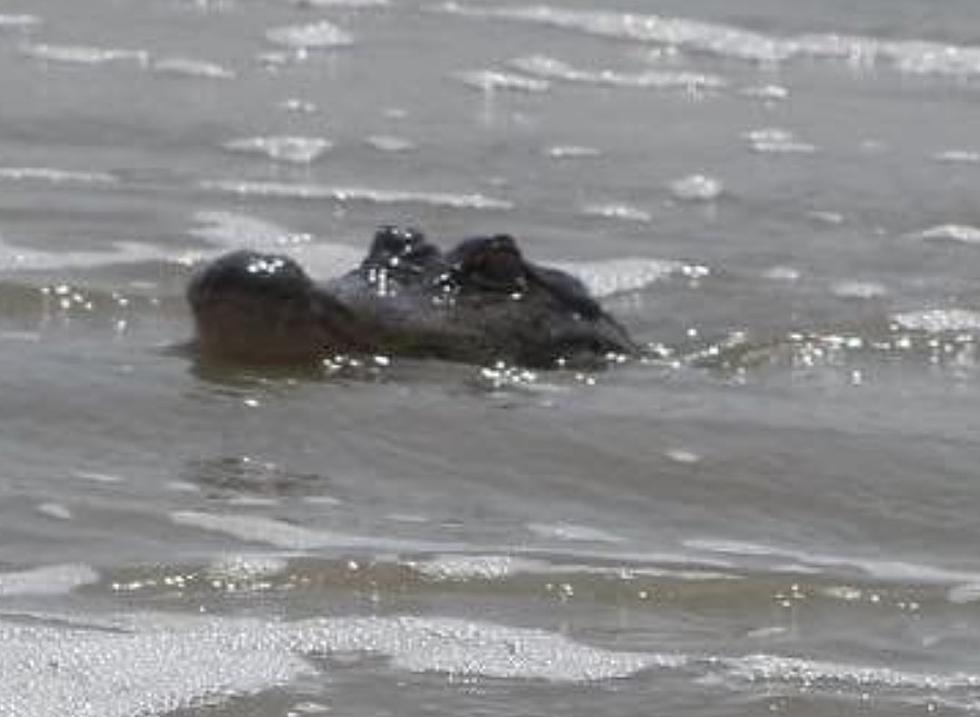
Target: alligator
[[481, 302]]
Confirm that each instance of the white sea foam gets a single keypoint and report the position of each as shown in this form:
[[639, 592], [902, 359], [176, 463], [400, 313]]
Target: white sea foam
[[55, 175], [489, 80], [936, 321], [953, 232], [187, 67], [697, 187], [729, 41], [84, 55], [617, 210], [47, 580], [550, 68], [322, 34], [289, 190], [811, 673], [158, 664], [284, 148], [774, 140]]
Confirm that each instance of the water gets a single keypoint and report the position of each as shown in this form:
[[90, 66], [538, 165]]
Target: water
[[778, 515]]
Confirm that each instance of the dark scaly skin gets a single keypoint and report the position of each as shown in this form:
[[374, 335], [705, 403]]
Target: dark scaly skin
[[481, 302]]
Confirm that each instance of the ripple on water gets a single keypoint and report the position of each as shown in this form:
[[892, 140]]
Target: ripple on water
[[322, 34], [55, 176], [186, 67], [550, 68], [617, 210], [390, 143], [345, 4], [957, 156], [82, 54], [572, 151], [283, 148], [952, 232], [56, 511], [288, 190], [766, 93], [489, 80]]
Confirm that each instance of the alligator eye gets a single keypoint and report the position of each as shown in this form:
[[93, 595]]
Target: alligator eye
[[497, 263]]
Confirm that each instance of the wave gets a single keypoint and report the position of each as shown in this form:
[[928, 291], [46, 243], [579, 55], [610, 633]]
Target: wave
[[187, 67], [550, 68], [490, 80], [288, 190], [731, 42], [47, 580], [55, 175], [284, 148]]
